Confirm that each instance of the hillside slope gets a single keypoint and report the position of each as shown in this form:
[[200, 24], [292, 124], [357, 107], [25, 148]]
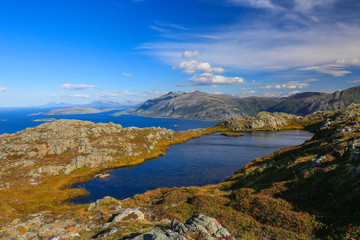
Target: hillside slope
[[203, 106]]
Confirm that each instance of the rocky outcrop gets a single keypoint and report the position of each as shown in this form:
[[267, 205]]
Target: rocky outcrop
[[200, 226], [116, 223], [64, 146], [265, 121]]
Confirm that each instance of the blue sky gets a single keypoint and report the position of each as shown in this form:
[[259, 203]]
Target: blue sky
[[127, 50]]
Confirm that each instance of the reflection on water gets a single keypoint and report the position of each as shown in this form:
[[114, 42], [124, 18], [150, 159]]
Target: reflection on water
[[200, 161]]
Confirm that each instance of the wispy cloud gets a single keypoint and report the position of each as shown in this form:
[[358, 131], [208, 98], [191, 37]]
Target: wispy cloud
[[214, 80], [288, 85], [129, 95], [279, 94], [305, 33], [336, 70], [254, 3], [302, 6], [273, 94], [167, 27], [2, 89], [306, 5], [171, 25], [349, 61], [249, 92], [311, 80], [354, 81], [77, 86], [127, 74], [71, 95]]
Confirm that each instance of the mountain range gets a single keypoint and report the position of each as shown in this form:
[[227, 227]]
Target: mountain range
[[199, 105]]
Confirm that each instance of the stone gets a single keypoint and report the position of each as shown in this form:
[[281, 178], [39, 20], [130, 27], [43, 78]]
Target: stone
[[102, 175], [104, 202], [134, 212], [178, 227], [157, 234], [207, 225], [107, 233], [316, 162]]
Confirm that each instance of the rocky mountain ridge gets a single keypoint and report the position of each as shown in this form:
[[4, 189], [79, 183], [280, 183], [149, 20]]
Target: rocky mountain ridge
[[217, 107]]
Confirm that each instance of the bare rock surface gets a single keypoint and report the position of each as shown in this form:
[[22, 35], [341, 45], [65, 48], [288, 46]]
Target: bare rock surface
[[64, 146]]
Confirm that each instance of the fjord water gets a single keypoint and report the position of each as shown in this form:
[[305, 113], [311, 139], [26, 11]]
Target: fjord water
[[14, 120], [200, 161]]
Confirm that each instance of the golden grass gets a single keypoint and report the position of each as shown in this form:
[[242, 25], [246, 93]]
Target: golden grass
[[54, 193], [232, 134]]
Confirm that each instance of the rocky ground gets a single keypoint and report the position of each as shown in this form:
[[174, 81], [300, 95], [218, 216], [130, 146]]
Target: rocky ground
[[302, 192], [265, 121], [38, 165], [66, 145]]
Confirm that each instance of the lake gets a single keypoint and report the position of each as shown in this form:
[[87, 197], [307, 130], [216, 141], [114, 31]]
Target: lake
[[201, 161]]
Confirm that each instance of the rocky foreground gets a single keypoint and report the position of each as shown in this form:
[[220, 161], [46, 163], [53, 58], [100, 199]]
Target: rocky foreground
[[309, 191]]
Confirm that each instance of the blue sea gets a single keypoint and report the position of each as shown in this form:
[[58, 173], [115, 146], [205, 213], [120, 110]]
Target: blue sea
[[14, 120]]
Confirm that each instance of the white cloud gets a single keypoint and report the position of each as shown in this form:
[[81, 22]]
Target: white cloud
[[191, 54], [77, 86], [192, 66], [272, 94], [249, 92], [71, 95], [127, 74], [311, 80], [354, 81], [2, 89], [273, 41], [306, 5], [294, 92], [128, 95], [211, 79], [288, 85], [349, 61], [336, 70], [274, 67], [295, 5], [167, 27]]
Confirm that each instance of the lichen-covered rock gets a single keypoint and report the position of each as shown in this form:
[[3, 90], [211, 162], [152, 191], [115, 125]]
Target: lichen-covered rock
[[209, 228], [157, 234], [129, 212], [107, 233]]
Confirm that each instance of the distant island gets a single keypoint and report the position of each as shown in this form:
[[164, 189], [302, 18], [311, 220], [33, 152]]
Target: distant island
[[45, 120], [75, 110]]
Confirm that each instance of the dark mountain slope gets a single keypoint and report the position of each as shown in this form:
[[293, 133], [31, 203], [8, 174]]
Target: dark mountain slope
[[204, 106]]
